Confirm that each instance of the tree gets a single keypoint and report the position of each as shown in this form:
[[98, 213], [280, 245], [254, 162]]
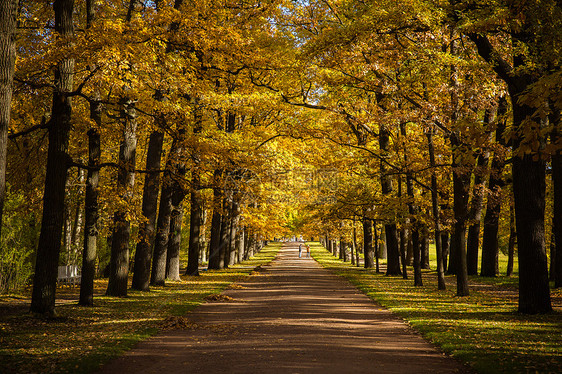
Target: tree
[[7, 65], [529, 171], [48, 251]]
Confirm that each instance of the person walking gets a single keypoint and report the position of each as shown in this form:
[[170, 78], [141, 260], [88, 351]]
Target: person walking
[[307, 250], [300, 250]]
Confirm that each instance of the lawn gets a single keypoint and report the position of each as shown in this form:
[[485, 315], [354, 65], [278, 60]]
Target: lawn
[[483, 330], [80, 339]]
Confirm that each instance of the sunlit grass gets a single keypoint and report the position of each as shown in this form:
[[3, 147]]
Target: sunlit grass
[[81, 338], [483, 329]]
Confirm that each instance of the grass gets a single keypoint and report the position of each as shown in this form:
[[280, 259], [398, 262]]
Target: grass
[[484, 330], [81, 339]]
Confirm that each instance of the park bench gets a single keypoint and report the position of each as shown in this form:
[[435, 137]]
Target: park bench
[[68, 274]]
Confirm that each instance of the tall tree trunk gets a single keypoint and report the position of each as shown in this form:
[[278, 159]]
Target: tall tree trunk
[[158, 272], [461, 186], [240, 243], [528, 179], [48, 250], [194, 229], [529, 193], [393, 253], [341, 254], [147, 227], [475, 214], [224, 247], [119, 263], [7, 63], [435, 210], [368, 250], [214, 245], [91, 205], [91, 211], [355, 244], [235, 214], [174, 240], [376, 248], [477, 203], [489, 266], [512, 240], [445, 239], [424, 240], [556, 254]]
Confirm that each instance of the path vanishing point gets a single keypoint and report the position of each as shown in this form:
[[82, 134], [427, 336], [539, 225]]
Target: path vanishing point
[[292, 317]]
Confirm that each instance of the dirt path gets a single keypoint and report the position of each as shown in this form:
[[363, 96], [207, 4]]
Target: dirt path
[[293, 317]]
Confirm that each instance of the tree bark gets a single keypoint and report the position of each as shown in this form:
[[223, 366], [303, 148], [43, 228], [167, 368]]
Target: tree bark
[[147, 227], [435, 210], [158, 273], [375, 246], [528, 179], [119, 263], [240, 243], [48, 250], [214, 245], [556, 254], [224, 247], [194, 230], [393, 253], [91, 212], [512, 240], [461, 185], [489, 266], [368, 250], [174, 240], [477, 203], [91, 205], [7, 65]]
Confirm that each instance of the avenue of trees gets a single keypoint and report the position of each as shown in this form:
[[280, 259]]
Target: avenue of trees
[[131, 131]]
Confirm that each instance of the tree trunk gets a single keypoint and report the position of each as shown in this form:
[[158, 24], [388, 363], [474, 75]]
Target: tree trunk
[[435, 210], [119, 263], [147, 228], [194, 229], [235, 216], [416, 252], [461, 186], [403, 249], [445, 244], [489, 266], [240, 243], [512, 240], [355, 244], [477, 203], [48, 250], [529, 193], [158, 273], [7, 63], [556, 255], [393, 253], [528, 181], [91, 212], [214, 245], [424, 248], [368, 250], [174, 240], [376, 248], [475, 214], [225, 235]]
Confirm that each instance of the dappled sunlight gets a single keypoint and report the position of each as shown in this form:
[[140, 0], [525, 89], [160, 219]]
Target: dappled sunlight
[[475, 328]]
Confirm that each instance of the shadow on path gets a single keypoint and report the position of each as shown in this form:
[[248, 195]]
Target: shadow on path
[[293, 317]]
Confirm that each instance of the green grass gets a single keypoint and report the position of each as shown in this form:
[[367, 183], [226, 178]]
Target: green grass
[[483, 330], [81, 339]]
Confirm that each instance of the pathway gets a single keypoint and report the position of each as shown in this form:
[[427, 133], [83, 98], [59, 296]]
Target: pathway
[[293, 317]]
